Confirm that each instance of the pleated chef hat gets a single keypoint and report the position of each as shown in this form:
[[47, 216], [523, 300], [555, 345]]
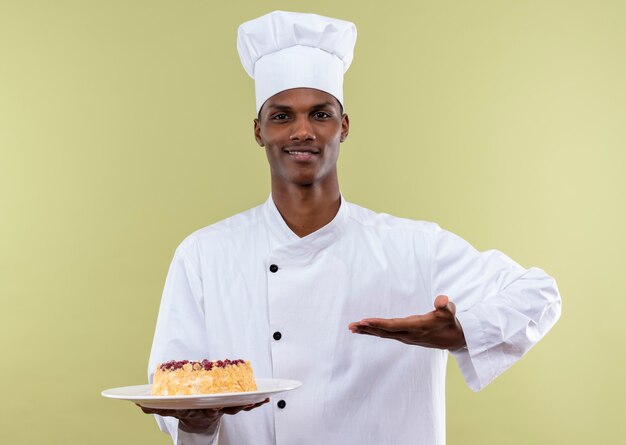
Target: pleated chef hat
[[283, 50]]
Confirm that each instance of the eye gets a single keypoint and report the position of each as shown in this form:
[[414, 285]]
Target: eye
[[321, 115], [279, 116]]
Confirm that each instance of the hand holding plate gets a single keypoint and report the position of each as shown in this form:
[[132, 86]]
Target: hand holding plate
[[200, 420]]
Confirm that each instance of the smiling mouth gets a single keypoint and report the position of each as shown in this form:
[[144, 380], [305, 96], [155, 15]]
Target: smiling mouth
[[301, 154], [301, 151]]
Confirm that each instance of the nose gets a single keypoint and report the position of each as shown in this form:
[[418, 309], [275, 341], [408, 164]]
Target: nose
[[301, 130]]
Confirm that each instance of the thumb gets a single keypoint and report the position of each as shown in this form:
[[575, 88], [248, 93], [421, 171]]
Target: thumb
[[443, 303]]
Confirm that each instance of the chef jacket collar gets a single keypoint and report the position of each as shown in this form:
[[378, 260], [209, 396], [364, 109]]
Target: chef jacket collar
[[283, 237]]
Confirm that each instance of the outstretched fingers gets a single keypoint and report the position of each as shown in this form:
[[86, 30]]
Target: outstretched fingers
[[388, 324], [368, 330]]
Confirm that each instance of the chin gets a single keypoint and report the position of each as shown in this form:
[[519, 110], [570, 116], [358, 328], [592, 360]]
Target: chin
[[303, 182], [303, 179], [310, 179]]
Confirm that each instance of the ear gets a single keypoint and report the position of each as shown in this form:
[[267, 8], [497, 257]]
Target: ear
[[345, 127], [257, 133]]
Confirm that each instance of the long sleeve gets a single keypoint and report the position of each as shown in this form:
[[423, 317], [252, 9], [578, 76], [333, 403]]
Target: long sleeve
[[503, 308], [180, 331]]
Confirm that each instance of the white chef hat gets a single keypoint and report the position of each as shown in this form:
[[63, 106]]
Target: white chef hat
[[283, 50]]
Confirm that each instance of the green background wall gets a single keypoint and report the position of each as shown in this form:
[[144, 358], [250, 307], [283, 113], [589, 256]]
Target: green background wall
[[125, 125]]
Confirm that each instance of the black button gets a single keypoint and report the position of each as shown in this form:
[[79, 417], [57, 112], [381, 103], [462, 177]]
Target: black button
[[281, 404], [277, 335], [273, 268]]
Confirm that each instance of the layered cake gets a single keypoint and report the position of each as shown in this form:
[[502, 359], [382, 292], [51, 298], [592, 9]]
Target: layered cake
[[184, 377]]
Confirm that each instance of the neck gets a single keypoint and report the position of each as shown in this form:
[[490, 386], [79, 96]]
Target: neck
[[309, 208]]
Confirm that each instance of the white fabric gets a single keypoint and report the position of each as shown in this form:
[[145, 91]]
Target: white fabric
[[185, 438], [283, 50], [222, 301]]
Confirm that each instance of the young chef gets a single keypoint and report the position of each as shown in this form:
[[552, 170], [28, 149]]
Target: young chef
[[290, 284]]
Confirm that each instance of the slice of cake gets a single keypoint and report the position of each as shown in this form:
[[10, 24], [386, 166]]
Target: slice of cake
[[180, 378]]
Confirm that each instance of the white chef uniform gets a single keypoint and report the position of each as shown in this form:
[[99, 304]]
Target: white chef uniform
[[222, 300]]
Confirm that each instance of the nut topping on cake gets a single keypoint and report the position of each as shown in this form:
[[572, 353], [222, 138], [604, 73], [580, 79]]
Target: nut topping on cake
[[197, 365]]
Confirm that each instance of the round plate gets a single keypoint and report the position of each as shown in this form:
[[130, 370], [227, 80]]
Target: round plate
[[140, 394]]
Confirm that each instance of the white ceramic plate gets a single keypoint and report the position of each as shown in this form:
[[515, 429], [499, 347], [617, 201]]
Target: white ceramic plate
[[140, 394]]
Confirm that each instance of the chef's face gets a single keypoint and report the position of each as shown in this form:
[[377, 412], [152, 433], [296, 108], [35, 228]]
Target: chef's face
[[301, 130]]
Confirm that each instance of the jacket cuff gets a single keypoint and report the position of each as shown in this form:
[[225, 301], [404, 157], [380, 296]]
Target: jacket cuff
[[474, 360]]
